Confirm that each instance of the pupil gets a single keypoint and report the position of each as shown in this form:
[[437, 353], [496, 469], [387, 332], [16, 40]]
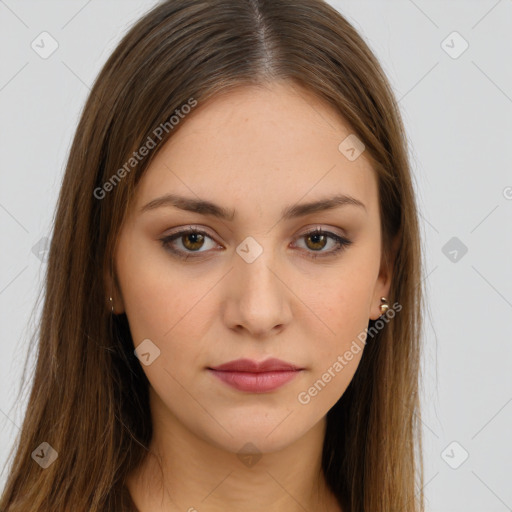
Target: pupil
[[191, 239], [316, 239]]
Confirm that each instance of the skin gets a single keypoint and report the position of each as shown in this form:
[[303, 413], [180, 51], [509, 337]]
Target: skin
[[255, 150]]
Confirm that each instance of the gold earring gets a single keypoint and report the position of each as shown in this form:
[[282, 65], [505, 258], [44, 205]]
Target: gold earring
[[112, 304], [384, 305]]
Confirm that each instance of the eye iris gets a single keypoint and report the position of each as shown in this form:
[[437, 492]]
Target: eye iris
[[194, 237], [316, 237]]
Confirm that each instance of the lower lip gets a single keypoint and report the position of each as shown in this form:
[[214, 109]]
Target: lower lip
[[255, 382]]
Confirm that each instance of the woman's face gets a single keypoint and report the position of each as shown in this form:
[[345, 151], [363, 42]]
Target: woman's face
[[253, 283]]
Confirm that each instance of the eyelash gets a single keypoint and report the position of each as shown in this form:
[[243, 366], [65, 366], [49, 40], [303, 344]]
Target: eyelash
[[342, 243]]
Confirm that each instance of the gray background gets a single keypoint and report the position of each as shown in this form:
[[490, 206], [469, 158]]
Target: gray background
[[457, 110]]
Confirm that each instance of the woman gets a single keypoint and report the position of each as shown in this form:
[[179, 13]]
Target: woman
[[232, 317]]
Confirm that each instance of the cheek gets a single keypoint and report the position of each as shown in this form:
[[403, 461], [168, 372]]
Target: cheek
[[342, 300], [158, 299], [169, 306], [342, 309], [162, 305]]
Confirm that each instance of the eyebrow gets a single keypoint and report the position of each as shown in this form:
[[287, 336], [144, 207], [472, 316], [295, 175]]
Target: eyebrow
[[204, 207]]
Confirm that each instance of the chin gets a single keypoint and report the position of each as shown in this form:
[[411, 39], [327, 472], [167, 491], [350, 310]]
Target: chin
[[254, 443], [262, 436]]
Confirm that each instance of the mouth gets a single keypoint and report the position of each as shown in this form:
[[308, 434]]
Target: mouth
[[252, 376]]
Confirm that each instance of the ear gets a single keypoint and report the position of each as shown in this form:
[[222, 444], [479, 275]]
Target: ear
[[383, 283], [113, 290]]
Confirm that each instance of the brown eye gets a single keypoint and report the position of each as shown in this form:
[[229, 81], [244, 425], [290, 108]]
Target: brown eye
[[318, 241], [188, 243], [192, 241]]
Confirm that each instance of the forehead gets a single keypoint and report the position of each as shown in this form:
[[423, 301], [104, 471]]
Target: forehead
[[265, 146]]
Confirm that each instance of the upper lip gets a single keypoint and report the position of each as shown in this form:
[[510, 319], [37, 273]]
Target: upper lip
[[249, 365]]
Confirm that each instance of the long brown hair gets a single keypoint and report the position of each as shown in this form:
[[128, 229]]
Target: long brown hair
[[89, 397]]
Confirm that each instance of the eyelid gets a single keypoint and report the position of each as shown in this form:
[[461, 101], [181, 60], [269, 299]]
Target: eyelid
[[188, 229]]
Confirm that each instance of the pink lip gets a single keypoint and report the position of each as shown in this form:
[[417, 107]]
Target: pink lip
[[249, 375]]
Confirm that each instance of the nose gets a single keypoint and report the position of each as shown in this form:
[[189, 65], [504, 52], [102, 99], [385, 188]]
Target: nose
[[258, 298]]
